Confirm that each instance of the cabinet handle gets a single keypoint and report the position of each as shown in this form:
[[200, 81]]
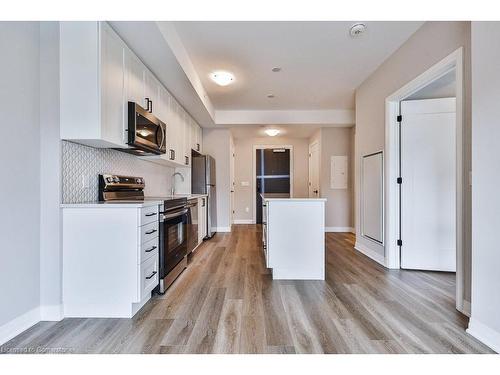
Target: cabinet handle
[[187, 160], [174, 154], [151, 276], [150, 250], [151, 214], [171, 154], [151, 231], [202, 202], [151, 108], [147, 104], [197, 147]]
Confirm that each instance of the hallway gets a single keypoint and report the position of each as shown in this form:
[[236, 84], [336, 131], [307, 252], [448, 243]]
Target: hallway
[[226, 302]]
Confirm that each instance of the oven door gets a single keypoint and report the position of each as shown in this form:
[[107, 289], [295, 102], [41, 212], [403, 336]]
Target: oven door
[[145, 131], [173, 236]]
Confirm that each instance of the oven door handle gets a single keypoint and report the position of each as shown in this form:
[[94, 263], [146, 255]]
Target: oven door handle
[[176, 214]]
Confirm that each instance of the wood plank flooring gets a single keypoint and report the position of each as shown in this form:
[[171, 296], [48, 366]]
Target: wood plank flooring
[[226, 302]]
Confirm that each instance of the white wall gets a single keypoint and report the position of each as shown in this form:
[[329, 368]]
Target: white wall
[[217, 143], [485, 318], [243, 171], [431, 43], [20, 170], [338, 208], [50, 176]]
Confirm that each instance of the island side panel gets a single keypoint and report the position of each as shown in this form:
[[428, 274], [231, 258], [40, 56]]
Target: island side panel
[[296, 230]]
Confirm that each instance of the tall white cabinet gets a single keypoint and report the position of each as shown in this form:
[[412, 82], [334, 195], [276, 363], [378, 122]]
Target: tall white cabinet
[[100, 74]]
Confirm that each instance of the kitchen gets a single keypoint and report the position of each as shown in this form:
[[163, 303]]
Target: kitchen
[[163, 229]]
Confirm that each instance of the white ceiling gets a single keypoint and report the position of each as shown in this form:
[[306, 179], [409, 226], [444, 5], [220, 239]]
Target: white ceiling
[[321, 64], [286, 130]]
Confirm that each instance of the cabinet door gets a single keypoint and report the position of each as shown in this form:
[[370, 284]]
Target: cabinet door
[[135, 70], [112, 87], [202, 218], [152, 87]]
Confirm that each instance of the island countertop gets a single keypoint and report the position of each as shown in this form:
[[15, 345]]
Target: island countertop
[[286, 197]]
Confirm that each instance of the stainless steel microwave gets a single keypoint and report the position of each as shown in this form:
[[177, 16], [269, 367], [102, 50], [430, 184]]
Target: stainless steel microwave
[[146, 133]]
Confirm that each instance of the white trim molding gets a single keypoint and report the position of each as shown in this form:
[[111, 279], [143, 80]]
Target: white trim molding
[[343, 117], [243, 221], [339, 230], [485, 334], [452, 62], [18, 325], [365, 250]]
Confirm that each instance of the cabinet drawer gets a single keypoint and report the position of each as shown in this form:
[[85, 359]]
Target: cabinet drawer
[[149, 215], [149, 232], [149, 276], [149, 249]]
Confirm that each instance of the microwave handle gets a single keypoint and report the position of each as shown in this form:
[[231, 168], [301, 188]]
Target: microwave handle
[[163, 137]]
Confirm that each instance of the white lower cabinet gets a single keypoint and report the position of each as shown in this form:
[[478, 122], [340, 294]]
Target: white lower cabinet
[[202, 218], [110, 259]]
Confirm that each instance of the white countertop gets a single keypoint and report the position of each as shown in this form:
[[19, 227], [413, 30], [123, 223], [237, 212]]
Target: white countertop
[[284, 197], [149, 201], [111, 204]]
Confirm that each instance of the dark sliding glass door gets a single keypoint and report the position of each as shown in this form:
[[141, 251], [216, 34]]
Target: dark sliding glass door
[[272, 175]]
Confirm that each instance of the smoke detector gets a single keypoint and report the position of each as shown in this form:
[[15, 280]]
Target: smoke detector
[[357, 30]]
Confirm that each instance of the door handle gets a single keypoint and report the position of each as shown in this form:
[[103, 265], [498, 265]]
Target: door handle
[[315, 191]]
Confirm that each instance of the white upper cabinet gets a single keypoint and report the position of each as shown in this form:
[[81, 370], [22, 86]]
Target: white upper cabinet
[[99, 76], [134, 77], [92, 84]]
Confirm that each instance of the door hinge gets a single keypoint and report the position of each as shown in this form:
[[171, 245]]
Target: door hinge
[[400, 242], [399, 180], [399, 118]]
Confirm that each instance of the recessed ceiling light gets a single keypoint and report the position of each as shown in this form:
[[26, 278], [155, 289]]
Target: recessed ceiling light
[[270, 96], [276, 69], [357, 30], [272, 132], [222, 78]]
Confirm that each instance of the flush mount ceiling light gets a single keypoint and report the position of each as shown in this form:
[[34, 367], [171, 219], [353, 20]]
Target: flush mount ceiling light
[[276, 69], [272, 132], [222, 78], [270, 96], [357, 30]]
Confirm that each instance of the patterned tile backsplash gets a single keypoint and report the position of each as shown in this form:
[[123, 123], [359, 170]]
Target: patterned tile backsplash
[[83, 164]]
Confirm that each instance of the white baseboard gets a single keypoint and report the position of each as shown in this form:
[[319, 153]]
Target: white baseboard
[[485, 334], [51, 313], [370, 253], [222, 229], [339, 229], [18, 325], [243, 221]]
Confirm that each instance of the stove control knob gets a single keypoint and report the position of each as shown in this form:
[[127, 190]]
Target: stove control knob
[[109, 179], [116, 179]]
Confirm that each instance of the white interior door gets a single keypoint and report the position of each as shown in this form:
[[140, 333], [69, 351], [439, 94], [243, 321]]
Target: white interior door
[[314, 170], [428, 190]]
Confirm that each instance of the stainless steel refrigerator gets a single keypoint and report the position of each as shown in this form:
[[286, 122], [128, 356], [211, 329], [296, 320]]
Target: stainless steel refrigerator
[[203, 182]]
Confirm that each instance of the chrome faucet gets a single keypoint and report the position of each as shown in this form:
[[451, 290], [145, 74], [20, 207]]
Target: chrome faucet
[[172, 182]]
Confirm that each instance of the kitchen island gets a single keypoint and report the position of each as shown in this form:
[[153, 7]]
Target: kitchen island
[[293, 236]]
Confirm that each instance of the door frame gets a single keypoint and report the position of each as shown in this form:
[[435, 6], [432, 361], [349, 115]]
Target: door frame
[[309, 166], [254, 174], [453, 61]]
